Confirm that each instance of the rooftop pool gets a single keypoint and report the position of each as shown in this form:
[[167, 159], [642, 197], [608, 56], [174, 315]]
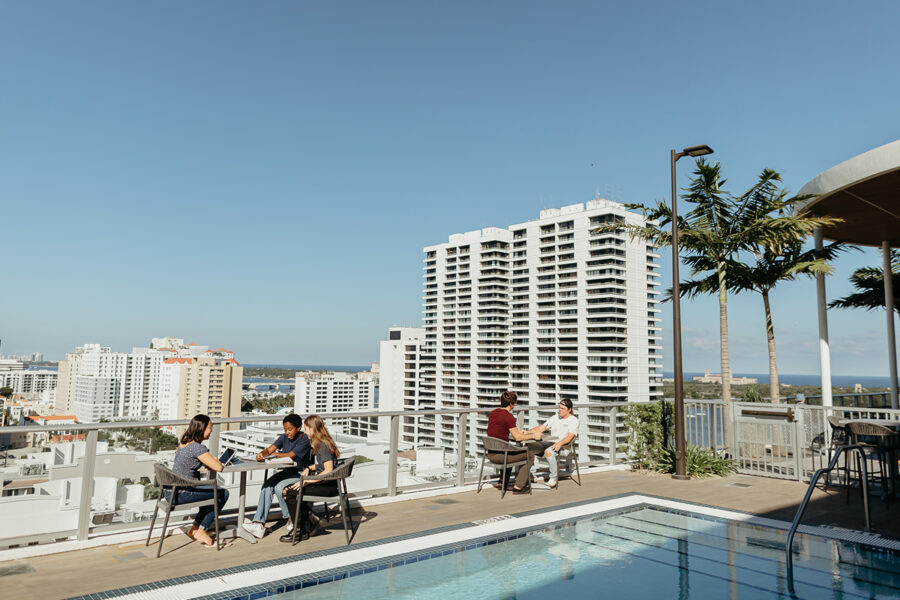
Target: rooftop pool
[[631, 547], [642, 553]]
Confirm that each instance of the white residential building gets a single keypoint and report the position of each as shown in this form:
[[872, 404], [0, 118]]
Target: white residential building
[[167, 381], [93, 380], [551, 308], [318, 392], [28, 382], [399, 357], [33, 357], [96, 398]]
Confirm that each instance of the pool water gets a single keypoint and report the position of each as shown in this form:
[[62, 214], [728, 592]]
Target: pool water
[[651, 553]]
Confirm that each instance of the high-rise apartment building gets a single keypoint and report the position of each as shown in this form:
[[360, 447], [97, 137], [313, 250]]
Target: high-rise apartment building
[[317, 392], [13, 374], [553, 308], [33, 357], [399, 357], [96, 361], [95, 382], [206, 384]]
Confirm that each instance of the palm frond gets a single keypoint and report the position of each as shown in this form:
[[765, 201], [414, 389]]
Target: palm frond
[[869, 283]]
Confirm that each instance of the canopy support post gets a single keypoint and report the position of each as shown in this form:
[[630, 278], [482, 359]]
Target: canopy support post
[[824, 350], [889, 309]]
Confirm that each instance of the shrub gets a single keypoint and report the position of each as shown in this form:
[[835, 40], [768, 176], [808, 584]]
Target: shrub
[[752, 393], [651, 443], [703, 462], [648, 433]]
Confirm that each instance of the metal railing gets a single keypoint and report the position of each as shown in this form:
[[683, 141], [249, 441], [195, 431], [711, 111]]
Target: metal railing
[[861, 400], [789, 441], [789, 544], [786, 441], [601, 422]]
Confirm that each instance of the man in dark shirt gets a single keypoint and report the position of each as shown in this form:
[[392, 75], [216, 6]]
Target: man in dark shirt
[[502, 425], [293, 444]]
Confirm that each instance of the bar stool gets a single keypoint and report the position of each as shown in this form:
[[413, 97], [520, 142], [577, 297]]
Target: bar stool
[[878, 442], [839, 437]]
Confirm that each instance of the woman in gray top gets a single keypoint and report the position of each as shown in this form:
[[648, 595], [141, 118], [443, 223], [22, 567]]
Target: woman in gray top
[[190, 456], [326, 453]]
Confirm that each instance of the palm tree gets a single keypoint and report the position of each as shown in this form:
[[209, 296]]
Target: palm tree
[[720, 227], [768, 230], [869, 281], [761, 276], [706, 230], [711, 231]]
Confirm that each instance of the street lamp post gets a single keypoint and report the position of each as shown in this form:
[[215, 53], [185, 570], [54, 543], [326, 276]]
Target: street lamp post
[[680, 468]]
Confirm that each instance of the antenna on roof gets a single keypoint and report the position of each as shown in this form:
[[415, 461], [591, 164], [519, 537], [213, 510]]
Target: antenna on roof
[[597, 193]]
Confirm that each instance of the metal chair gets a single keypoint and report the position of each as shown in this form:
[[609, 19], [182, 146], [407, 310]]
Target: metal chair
[[570, 457], [326, 499], [340, 474], [878, 442], [566, 458], [494, 445], [167, 478]]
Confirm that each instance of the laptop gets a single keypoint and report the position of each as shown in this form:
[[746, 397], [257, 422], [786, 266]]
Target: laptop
[[229, 457]]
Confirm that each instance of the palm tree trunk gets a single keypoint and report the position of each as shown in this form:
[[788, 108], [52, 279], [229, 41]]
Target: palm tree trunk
[[723, 334], [774, 390]]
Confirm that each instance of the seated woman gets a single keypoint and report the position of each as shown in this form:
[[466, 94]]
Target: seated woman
[[189, 457], [292, 444], [326, 453]]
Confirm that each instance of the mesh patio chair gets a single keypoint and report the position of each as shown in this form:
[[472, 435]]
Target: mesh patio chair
[[493, 445], [166, 478], [568, 457], [340, 474], [879, 443], [329, 499]]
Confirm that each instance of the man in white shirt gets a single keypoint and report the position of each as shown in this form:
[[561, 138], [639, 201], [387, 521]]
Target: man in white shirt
[[560, 430]]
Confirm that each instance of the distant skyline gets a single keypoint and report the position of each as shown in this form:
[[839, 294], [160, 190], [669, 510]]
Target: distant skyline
[[264, 177]]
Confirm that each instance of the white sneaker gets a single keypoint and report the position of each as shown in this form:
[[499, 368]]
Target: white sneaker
[[257, 529], [290, 526], [551, 483]]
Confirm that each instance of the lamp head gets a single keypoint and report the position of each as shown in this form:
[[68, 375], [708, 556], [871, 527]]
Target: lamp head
[[695, 151]]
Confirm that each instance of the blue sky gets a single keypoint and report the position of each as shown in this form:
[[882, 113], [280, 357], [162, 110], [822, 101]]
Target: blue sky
[[263, 176]]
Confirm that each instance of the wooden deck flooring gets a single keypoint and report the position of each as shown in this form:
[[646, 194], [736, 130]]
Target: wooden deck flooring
[[74, 573]]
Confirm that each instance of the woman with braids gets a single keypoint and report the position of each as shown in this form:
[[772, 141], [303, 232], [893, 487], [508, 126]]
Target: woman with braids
[[190, 456], [325, 452]]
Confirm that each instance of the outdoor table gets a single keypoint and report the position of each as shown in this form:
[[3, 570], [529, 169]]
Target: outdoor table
[[893, 467], [244, 467], [884, 422]]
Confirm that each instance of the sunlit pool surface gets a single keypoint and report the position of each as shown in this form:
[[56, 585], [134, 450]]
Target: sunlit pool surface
[[655, 553]]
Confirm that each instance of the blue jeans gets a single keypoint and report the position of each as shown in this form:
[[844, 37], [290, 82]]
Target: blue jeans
[[198, 493], [552, 460], [275, 485]]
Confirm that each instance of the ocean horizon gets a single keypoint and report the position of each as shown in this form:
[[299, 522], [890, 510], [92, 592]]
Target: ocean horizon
[[867, 381]]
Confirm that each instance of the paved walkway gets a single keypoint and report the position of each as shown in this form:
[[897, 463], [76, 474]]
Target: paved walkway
[[81, 572]]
